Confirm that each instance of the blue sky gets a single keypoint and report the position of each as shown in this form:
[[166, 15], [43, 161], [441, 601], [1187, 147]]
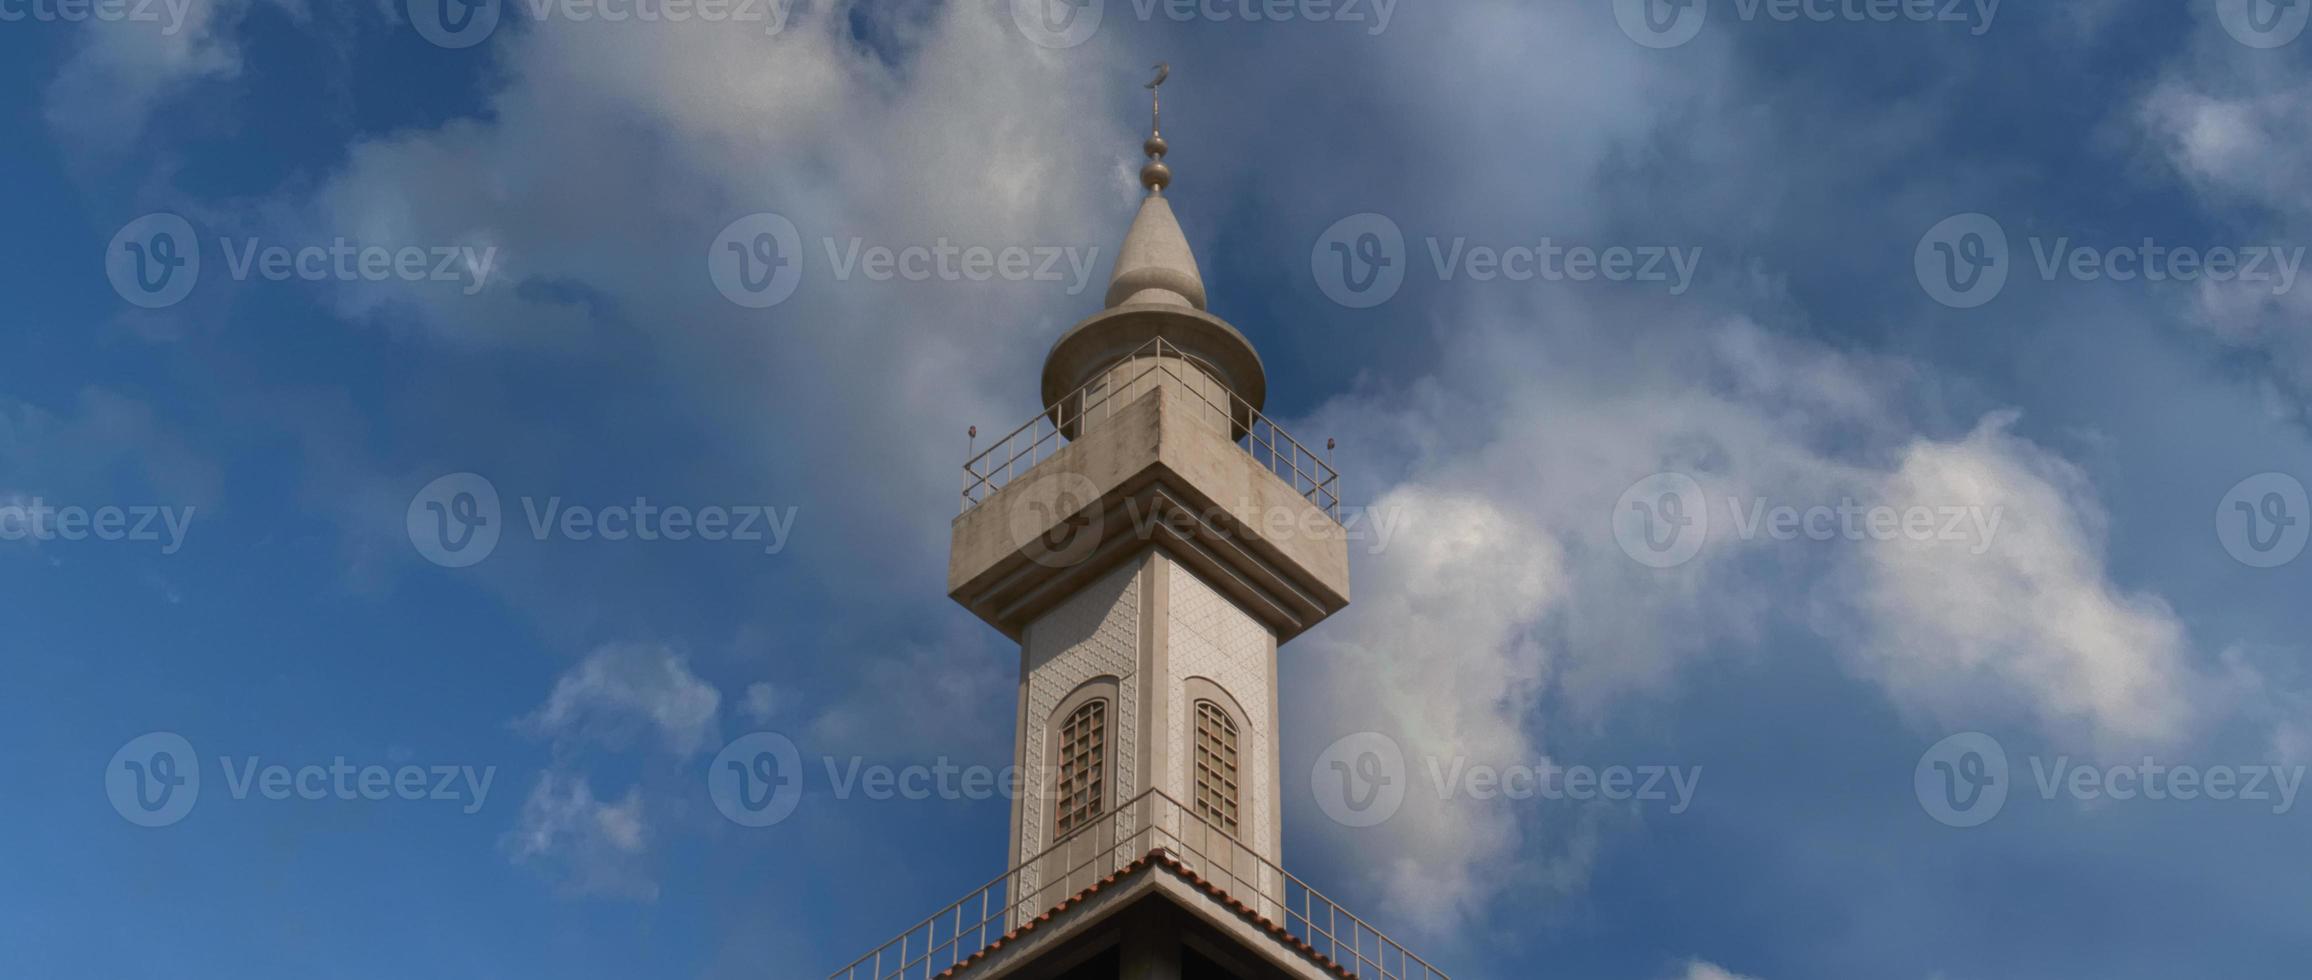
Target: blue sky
[[2100, 601]]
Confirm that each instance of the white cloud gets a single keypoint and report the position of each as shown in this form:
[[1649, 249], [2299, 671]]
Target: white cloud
[[1699, 970], [125, 70], [621, 688], [2236, 134], [593, 847], [1441, 655], [761, 702], [1507, 592], [618, 692], [612, 156], [2237, 128], [2033, 618]]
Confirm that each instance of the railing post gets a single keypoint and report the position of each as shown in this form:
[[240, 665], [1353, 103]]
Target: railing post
[[1262, 436], [1108, 844]]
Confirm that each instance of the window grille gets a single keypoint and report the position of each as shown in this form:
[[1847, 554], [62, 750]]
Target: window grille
[[1216, 767], [1083, 766]]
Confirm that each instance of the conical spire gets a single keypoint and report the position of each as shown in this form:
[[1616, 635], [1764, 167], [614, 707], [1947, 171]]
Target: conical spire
[[1155, 265], [1155, 294]]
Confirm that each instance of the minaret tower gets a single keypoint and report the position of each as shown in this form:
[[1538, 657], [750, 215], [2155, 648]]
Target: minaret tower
[[1150, 540]]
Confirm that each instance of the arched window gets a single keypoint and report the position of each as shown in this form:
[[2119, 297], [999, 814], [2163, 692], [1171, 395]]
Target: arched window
[[1083, 751], [1216, 796]]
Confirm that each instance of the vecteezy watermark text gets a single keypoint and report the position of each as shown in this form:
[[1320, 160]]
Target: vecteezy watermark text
[[155, 261], [1372, 528], [1670, 23], [1964, 261], [757, 261], [154, 780], [1361, 780], [1360, 261], [1664, 520], [946, 261], [758, 780], [345, 260], [1965, 780], [456, 521], [169, 14], [465, 23], [1051, 521], [1067, 23], [35, 519]]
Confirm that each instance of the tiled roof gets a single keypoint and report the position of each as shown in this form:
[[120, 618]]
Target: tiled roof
[[1161, 858]]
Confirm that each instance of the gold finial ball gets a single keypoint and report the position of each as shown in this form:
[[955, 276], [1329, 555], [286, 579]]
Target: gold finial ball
[[1155, 146], [1156, 175]]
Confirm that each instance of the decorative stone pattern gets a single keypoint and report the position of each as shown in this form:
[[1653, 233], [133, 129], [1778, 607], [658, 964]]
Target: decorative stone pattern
[[1094, 633], [1213, 639]]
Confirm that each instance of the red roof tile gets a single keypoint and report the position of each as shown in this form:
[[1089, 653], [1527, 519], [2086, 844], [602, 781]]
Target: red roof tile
[[1162, 858]]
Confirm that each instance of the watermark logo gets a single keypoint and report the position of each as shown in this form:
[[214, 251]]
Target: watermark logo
[[1360, 779], [2262, 520], [35, 519], [1662, 520], [1067, 23], [1051, 519], [154, 780], [454, 24], [1965, 780], [1359, 262], [170, 14], [464, 23], [1548, 261], [455, 521], [342, 780], [1670, 23], [1962, 261], [757, 261], [1372, 527], [1661, 23], [1962, 781], [1058, 23], [154, 261], [947, 261], [2263, 23], [1053, 523], [757, 779]]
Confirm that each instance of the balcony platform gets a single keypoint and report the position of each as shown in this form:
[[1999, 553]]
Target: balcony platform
[[1195, 912], [1156, 470], [1152, 879]]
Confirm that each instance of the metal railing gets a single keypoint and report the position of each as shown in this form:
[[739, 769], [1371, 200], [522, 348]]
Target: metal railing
[[1148, 823], [1012, 456]]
